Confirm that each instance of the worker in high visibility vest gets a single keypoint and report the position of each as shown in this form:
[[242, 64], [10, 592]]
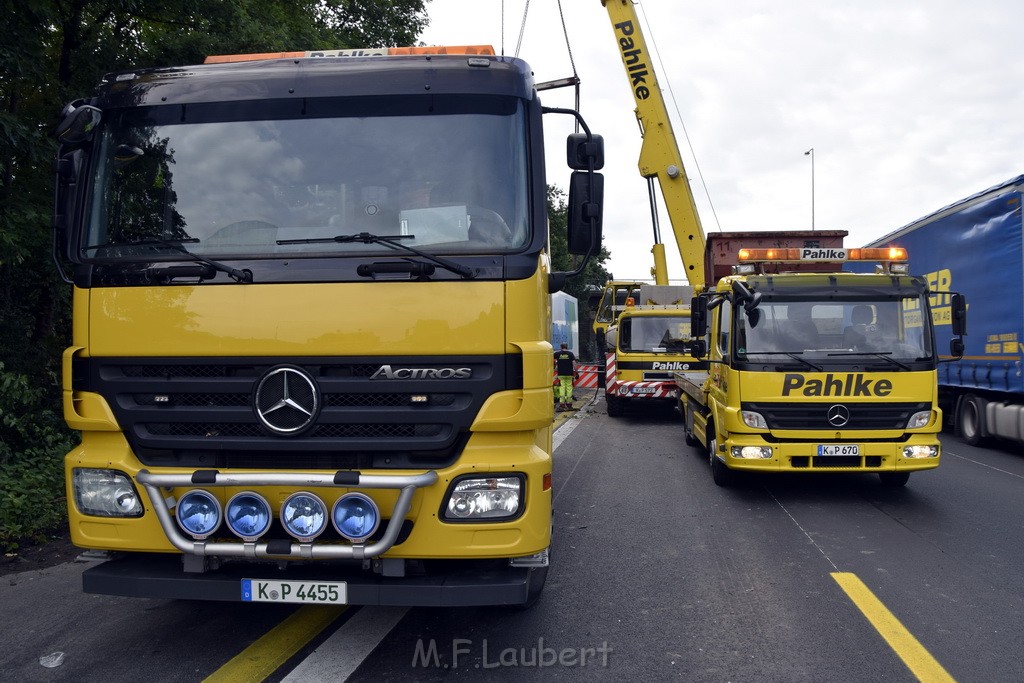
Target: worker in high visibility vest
[[565, 368]]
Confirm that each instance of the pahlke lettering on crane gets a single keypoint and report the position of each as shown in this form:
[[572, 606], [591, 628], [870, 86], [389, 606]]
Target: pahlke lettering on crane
[[633, 57], [836, 385]]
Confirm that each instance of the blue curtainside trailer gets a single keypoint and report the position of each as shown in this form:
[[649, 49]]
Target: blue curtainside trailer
[[976, 247]]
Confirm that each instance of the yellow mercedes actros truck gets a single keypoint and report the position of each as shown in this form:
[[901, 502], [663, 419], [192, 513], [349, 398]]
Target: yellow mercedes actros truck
[[811, 368], [310, 357]]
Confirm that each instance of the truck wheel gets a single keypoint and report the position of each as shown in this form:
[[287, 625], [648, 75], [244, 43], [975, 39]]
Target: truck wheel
[[894, 480], [971, 420], [721, 474], [614, 405]]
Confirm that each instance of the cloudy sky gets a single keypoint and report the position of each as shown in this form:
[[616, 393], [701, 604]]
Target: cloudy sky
[[909, 105]]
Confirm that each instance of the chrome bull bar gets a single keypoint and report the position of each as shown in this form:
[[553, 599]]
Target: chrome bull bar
[[283, 549]]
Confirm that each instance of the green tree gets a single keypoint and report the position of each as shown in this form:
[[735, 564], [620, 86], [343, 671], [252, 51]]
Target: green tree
[[593, 276], [52, 51]]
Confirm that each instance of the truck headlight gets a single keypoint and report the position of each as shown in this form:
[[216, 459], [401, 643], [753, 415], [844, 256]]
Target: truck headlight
[[485, 498], [248, 515], [198, 513], [752, 419], [920, 451], [304, 516], [355, 517], [752, 452], [919, 419], [105, 493]]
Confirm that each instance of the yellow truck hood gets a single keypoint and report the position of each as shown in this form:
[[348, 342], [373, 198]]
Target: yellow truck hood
[[838, 386], [433, 318]]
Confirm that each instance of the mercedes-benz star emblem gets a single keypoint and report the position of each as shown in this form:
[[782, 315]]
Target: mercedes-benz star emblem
[[838, 416], [287, 400]]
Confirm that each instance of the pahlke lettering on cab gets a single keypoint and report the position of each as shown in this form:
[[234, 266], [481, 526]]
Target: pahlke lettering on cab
[[836, 385], [633, 58], [669, 365]]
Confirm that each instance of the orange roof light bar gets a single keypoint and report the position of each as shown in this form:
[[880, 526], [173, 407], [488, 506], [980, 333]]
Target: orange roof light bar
[[878, 254], [357, 52], [823, 254]]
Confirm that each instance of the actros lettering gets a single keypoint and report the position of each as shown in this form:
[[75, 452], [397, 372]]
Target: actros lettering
[[387, 372], [633, 57], [836, 385]]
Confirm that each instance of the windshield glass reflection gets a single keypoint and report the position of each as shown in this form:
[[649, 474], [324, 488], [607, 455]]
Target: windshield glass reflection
[[654, 334], [830, 329], [455, 182]]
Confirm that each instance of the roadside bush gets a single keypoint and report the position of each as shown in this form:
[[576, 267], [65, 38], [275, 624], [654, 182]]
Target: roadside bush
[[33, 441]]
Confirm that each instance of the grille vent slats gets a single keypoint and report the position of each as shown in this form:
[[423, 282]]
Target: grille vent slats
[[188, 410], [814, 416]]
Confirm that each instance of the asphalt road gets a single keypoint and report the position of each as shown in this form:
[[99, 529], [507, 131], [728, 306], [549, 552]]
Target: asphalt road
[[657, 574]]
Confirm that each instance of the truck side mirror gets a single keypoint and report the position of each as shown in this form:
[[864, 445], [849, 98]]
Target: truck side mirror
[[78, 124], [958, 304], [956, 348], [581, 150], [585, 208], [698, 348], [741, 294], [698, 317]]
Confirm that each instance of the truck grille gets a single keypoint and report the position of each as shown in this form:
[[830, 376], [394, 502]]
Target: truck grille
[[814, 416], [200, 412]]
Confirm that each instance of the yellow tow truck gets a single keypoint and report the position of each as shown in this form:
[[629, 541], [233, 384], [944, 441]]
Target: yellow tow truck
[[648, 345], [812, 368], [815, 398]]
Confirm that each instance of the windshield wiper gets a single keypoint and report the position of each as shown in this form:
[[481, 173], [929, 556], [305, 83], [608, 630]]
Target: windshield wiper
[[795, 355], [884, 355], [243, 276], [389, 241]]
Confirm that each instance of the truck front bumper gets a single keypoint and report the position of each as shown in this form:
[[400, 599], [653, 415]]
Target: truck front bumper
[[450, 584], [873, 456]]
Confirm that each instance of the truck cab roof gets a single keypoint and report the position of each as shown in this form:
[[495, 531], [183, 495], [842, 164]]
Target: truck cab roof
[[298, 78]]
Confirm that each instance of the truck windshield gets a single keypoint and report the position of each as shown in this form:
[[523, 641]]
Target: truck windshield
[[239, 183], [891, 329], [654, 334], [614, 300]]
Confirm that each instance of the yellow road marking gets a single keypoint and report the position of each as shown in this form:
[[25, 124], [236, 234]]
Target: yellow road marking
[[276, 646], [918, 660]]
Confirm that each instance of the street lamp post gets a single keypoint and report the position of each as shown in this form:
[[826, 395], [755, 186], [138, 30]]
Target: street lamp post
[[810, 153]]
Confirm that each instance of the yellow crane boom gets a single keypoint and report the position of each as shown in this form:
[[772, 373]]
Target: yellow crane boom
[[659, 154]]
